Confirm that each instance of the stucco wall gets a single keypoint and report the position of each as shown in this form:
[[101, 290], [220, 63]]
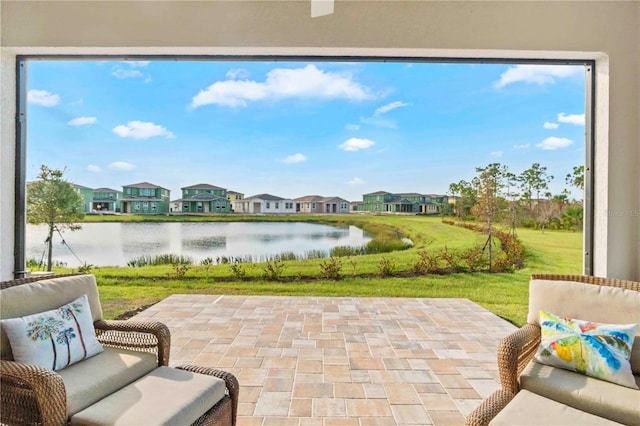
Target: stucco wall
[[607, 31]]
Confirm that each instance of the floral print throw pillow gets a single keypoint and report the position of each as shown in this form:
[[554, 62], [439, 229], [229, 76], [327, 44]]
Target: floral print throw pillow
[[597, 350], [54, 339]]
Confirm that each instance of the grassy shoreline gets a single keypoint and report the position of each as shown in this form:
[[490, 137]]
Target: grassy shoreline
[[124, 289]]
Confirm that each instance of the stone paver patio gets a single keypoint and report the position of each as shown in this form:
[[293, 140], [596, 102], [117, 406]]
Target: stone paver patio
[[329, 361]]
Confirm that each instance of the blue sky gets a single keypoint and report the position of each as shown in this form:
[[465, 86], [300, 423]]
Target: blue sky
[[300, 128]]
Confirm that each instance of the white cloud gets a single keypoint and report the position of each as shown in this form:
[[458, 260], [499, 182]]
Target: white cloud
[[93, 169], [378, 119], [356, 144], [295, 158], [42, 98], [352, 127], [577, 119], [523, 146], [356, 181], [536, 74], [386, 108], [553, 143], [122, 73], [81, 121], [237, 74], [497, 154], [121, 165], [141, 130], [282, 83], [549, 125]]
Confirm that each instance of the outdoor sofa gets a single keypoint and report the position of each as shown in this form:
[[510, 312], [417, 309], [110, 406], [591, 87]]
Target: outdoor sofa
[[536, 393], [120, 374]]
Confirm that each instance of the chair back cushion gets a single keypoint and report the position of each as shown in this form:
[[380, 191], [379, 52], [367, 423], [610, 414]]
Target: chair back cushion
[[589, 302], [45, 295]]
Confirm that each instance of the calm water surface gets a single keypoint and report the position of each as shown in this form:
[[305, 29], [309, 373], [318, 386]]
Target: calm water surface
[[114, 244]]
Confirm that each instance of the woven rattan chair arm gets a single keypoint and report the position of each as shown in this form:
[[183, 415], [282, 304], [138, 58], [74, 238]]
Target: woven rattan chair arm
[[514, 353], [490, 407], [233, 387], [136, 335], [31, 394]]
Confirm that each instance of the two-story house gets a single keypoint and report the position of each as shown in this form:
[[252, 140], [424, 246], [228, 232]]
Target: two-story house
[[409, 202], [234, 196], [145, 198], [204, 198], [106, 200], [87, 195]]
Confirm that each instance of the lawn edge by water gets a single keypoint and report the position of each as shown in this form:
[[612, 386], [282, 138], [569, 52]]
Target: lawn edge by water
[[505, 294]]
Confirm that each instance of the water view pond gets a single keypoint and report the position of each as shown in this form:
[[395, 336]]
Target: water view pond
[[114, 244]]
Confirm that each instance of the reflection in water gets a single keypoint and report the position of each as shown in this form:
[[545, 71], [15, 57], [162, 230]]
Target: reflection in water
[[103, 244], [203, 244]]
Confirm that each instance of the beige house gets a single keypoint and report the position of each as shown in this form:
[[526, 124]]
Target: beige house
[[318, 204], [234, 196], [264, 204]]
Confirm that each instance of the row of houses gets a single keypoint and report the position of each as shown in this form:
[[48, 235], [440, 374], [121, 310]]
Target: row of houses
[[147, 198]]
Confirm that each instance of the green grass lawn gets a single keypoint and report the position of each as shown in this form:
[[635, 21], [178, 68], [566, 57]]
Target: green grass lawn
[[506, 294]]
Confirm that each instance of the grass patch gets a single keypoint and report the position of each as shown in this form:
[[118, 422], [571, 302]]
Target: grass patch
[[505, 294]]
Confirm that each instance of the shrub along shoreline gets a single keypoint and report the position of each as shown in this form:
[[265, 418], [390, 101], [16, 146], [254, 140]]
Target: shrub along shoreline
[[440, 263]]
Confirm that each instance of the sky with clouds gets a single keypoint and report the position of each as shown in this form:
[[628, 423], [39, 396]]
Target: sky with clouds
[[296, 128]]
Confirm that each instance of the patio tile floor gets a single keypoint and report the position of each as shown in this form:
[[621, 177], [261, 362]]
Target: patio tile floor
[[341, 360]]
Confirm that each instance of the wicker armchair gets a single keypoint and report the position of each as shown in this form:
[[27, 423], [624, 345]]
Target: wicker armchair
[[516, 351], [35, 395]]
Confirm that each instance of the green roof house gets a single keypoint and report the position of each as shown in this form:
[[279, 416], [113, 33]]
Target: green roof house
[[87, 195], [203, 198], [145, 198], [408, 202], [106, 200]]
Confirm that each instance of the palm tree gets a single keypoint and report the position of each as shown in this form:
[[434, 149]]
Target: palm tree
[[64, 337], [68, 312], [43, 329]]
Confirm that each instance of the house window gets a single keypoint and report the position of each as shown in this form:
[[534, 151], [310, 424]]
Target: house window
[[145, 205], [277, 205], [154, 206], [268, 205], [136, 206], [313, 206]]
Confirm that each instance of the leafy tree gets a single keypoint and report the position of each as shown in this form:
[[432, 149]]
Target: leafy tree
[[572, 218], [489, 184], [53, 201], [466, 197], [534, 180], [576, 177]]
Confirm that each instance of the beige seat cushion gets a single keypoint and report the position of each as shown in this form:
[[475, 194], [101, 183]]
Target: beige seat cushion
[[604, 399], [166, 396], [96, 377], [527, 408]]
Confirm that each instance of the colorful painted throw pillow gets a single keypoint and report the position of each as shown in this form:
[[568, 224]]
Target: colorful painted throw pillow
[[54, 339], [597, 350]]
